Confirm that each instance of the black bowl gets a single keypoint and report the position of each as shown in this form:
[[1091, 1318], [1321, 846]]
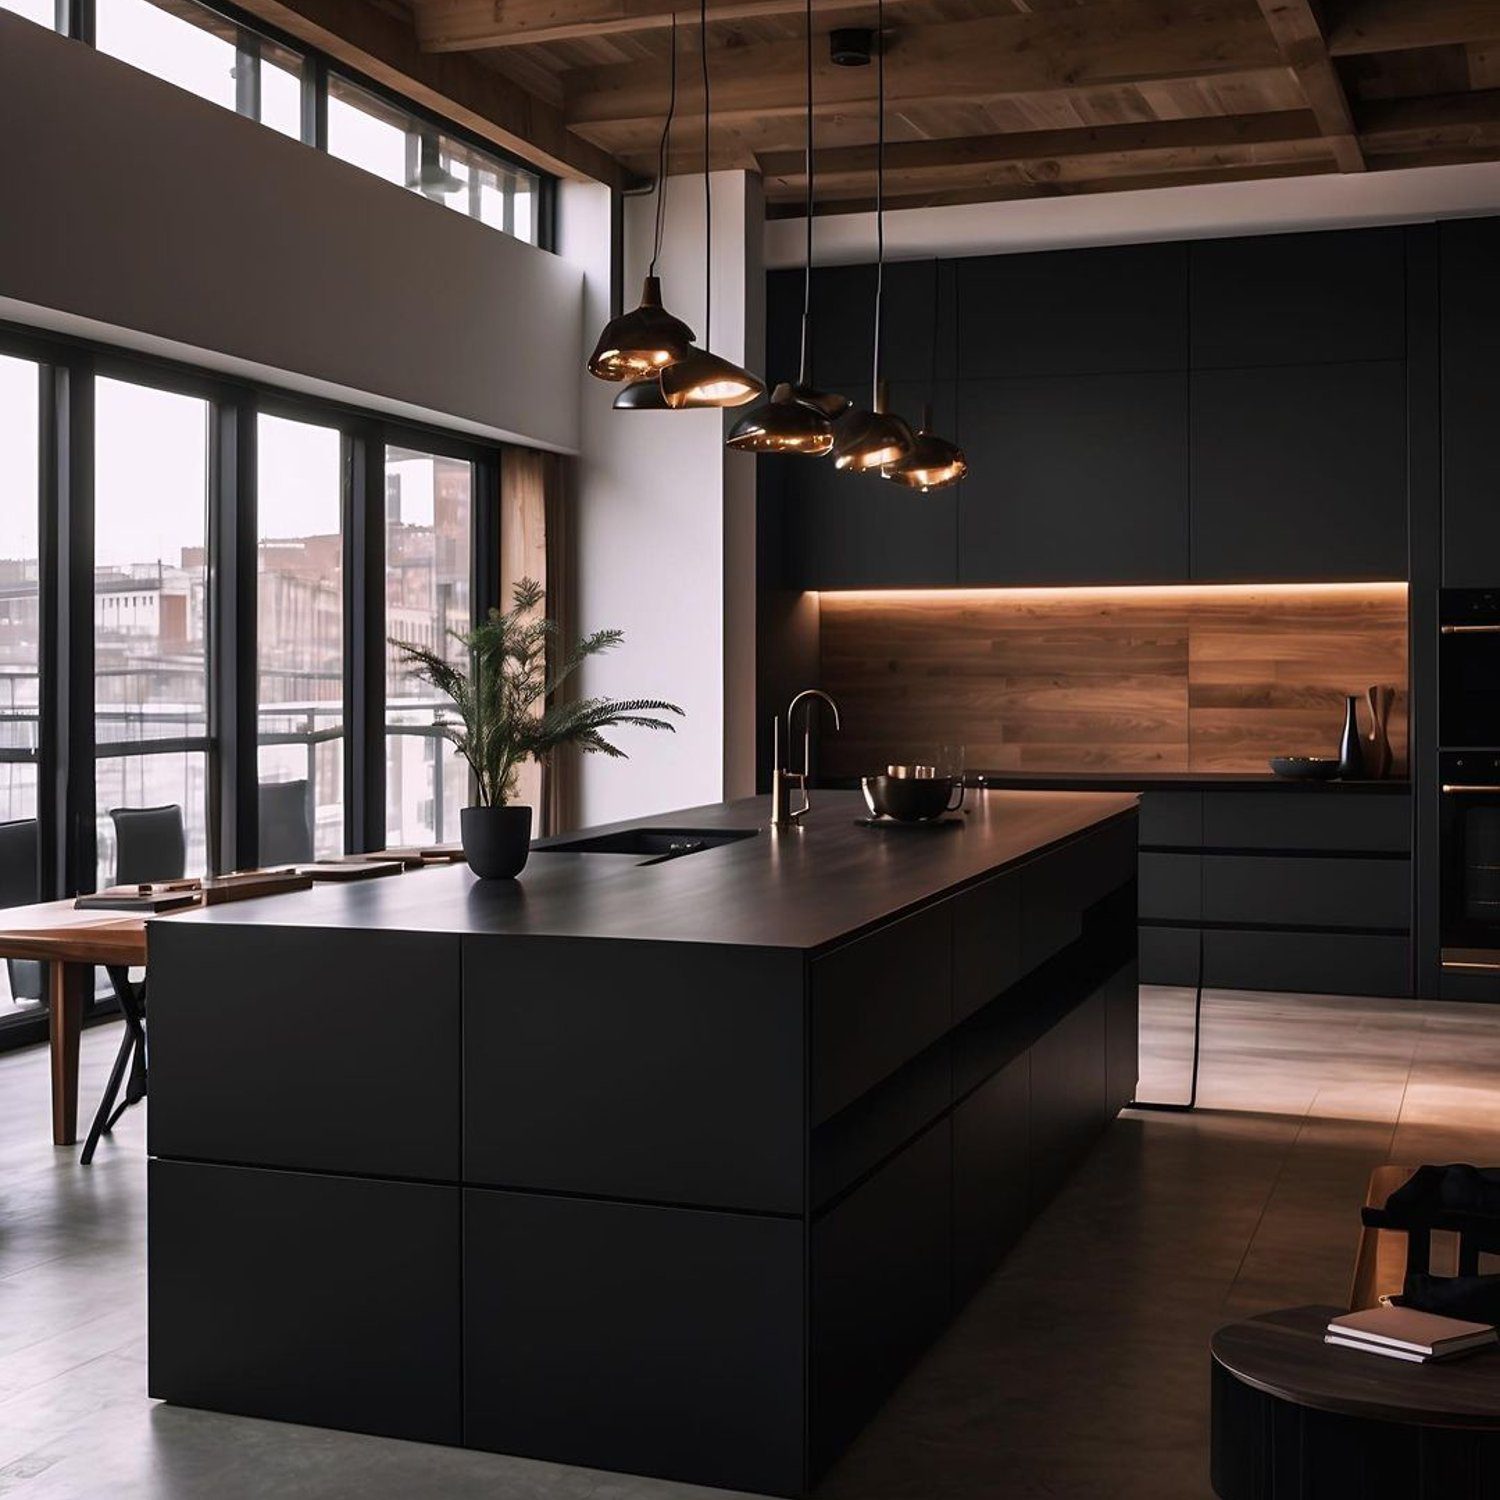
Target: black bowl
[[908, 799], [1305, 767]]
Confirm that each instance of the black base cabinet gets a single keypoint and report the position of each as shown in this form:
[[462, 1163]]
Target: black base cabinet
[[662, 1341], [696, 1208], [307, 1298]]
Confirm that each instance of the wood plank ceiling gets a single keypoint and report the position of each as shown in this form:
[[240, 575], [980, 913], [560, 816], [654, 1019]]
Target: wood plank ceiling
[[999, 99]]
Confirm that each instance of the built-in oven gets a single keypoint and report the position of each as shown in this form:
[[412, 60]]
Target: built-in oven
[[1469, 669], [1469, 781]]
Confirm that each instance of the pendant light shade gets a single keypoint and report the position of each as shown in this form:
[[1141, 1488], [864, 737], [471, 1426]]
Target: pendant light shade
[[703, 379], [783, 425], [931, 463], [641, 395], [866, 440], [640, 343]]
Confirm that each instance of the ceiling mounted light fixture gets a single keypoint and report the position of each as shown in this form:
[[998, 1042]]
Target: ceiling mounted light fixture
[[865, 440], [641, 395], [700, 378], [932, 461], [638, 345], [432, 179], [797, 418]]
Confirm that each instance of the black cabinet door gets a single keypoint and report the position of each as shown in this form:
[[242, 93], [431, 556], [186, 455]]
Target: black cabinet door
[[318, 1050], [1072, 312], [1291, 299], [671, 1073], [1069, 1094], [989, 1174], [881, 1287], [1299, 473], [306, 1298], [843, 324], [846, 530], [1074, 479], [1470, 359], [661, 1341]]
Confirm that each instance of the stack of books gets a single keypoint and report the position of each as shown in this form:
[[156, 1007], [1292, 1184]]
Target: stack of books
[[1404, 1333]]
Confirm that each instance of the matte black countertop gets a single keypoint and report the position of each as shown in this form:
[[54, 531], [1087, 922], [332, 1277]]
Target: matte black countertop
[[801, 888]]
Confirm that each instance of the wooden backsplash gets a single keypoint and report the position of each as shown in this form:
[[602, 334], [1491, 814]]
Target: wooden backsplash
[[1161, 679]]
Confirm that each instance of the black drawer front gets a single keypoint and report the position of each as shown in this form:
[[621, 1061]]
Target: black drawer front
[[1172, 819], [986, 943], [1352, 822], [1056, 891], [1319, 892], [585, 1073], [876, 1003], [310, 1049], [332, 1301], [990, 1174], [1169, 955], [1331, 963], [1171, 887], [622, 1336]]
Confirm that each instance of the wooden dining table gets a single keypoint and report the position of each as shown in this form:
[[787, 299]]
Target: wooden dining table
[[71, 943]]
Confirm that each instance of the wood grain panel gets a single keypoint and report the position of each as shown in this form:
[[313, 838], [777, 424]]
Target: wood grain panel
[[1152, 679]]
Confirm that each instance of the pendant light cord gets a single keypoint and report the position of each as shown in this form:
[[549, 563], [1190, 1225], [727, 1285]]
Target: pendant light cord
[[661, 157], [875, 402], [708, 193], [804, 375]]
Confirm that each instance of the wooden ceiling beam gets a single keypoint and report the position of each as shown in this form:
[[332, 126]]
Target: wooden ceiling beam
[[473, 25], [1437, 123], [1360, 26], [1035, 147], [1125, 41], [1300, 36], [986, 193], [382, 45]]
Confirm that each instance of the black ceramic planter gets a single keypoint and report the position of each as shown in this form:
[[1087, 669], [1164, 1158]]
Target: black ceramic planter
[[496, 840]]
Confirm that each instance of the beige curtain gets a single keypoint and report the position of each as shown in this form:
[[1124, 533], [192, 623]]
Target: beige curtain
[[535, 542]]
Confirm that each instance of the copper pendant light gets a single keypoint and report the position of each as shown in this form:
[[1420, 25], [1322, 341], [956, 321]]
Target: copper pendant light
[[641, 395], [797, 418], [866, 440], [638, 345], [700, 378], [932, 463]]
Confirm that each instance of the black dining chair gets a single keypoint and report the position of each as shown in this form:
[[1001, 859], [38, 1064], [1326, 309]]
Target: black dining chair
[[18, 887], [150, 844], [286, 835]]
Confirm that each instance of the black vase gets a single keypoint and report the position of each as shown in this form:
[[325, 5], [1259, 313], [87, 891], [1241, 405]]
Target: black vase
[[496, 840], [1351, 750]]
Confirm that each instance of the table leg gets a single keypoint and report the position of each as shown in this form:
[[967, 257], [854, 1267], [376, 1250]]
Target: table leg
[[67, 990]]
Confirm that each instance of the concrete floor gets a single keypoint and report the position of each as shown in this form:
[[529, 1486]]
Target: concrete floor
[[1080, 1370]]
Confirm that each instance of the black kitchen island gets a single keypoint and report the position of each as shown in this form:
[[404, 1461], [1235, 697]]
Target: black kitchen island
[[666, 1166]]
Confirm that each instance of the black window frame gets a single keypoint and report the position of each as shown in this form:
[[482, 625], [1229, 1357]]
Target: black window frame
[[66, 751], [75, 19]]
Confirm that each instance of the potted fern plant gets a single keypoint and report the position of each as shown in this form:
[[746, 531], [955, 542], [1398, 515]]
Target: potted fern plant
[[505, 714]]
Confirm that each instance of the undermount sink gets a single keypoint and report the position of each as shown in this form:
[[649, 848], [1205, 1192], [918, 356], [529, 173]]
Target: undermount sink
[[653, 845]]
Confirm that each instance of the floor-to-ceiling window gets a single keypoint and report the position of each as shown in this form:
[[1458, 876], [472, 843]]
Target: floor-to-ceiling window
[[300, 629], [428, 547], [20, 644], [150, 612]]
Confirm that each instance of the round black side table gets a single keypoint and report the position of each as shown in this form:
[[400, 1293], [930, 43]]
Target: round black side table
[[1297, 1419]]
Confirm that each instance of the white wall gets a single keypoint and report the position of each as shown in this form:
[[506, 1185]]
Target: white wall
[[665, 514], [140, 214], [1273, 206]]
